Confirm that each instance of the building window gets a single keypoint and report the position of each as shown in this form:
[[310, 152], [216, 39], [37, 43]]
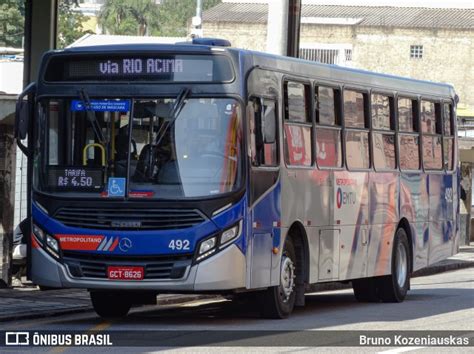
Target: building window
[[416, 51], [339, 54]]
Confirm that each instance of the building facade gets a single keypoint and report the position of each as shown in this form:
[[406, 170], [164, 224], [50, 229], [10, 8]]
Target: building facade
[[421, 43]]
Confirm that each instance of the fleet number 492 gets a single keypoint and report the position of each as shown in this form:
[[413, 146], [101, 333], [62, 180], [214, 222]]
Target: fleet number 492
[[179, 245]]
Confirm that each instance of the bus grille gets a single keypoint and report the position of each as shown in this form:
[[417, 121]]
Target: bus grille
[[114, 218], [156, 267]]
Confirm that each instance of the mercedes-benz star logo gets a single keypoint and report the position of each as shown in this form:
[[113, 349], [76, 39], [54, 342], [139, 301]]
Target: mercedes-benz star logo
[[125, 244]]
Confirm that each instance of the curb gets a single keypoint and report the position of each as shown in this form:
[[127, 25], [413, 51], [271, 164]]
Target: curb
[[436, 269], [168, 300], [431, 270]]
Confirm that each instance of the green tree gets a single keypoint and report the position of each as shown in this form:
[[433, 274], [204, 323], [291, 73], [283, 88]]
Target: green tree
[[12, 22], [174, 16], [70, 23], [145, 17], [115, 18]]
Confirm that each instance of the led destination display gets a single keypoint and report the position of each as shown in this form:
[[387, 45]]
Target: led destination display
[[168, 68]]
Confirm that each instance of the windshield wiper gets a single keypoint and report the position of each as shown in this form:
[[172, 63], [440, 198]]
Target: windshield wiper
[[92, 117], [173, 114]]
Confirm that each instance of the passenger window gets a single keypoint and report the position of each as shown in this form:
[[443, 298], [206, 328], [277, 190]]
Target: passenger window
[[448, 153], [409, 152], [384, 151], [264, 151], [432, 157], [357, 149], [381, 112], [329, 134], [297, 102], [327, 105], [328, 147], [430, 122], [448, 118], [354, 109], [298, 145], [448, 145], [406, 114]]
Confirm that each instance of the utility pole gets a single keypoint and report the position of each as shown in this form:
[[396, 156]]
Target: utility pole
[[196, 32], [277, 26], [294, 21]]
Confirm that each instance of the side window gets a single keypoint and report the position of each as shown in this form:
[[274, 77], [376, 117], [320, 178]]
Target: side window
[[298, 125], [263, 132], [327, 105], [297, 103], [356, 132], [328, 128], [430, 115], [448, 132], [408, 136], [406, 114], [354, 109], [383, 135]]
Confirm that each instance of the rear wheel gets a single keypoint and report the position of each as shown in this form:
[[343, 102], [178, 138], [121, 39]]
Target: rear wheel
[[394, 287], [279, 301], [110, 304]]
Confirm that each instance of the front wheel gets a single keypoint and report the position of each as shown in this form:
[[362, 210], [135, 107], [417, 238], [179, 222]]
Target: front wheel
[[394, 287], [279, 301], [110, 304]]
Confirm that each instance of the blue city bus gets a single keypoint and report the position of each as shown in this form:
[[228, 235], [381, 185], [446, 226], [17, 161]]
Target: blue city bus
[[195, 168]]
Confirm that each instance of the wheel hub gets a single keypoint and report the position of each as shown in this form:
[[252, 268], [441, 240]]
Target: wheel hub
[[287, 281], [402, 265]]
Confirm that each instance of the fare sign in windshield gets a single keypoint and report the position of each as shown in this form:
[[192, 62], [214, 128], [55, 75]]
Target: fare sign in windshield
[[75, 178]]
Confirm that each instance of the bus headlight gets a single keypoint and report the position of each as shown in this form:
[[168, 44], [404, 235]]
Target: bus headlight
[[38, 232], [232, 233], [207, 247], [52, 245]]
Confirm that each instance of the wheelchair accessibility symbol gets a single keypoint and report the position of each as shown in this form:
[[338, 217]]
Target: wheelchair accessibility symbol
[[116, 187]]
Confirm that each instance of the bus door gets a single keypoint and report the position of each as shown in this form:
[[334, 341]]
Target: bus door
[[264, 192]]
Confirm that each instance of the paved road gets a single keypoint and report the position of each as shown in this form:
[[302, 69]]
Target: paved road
[[439, 302]]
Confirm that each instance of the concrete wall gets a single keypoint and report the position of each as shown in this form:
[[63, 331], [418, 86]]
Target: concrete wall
[[448, 55]]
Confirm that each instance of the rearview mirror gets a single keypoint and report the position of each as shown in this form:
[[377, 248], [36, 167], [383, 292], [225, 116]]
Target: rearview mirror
[[22, 116], [269, 123]]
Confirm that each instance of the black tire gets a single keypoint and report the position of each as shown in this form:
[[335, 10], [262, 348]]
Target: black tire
[[366, 290], [275, 303], [394, 287], [110, 304]]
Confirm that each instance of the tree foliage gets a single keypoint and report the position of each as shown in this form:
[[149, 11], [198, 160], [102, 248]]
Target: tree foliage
[[12, 22], [145, 17], [70, 23]]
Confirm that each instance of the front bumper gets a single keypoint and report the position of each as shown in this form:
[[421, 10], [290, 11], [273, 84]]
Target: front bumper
[[226, 270]]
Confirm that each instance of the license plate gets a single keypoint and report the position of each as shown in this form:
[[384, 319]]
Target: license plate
[[125, 273]]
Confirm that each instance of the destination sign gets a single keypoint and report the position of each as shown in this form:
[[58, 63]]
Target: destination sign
[[74, 178], [173, 68]]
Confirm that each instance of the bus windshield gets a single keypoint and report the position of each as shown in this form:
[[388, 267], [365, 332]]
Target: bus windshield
[[140, 148]]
